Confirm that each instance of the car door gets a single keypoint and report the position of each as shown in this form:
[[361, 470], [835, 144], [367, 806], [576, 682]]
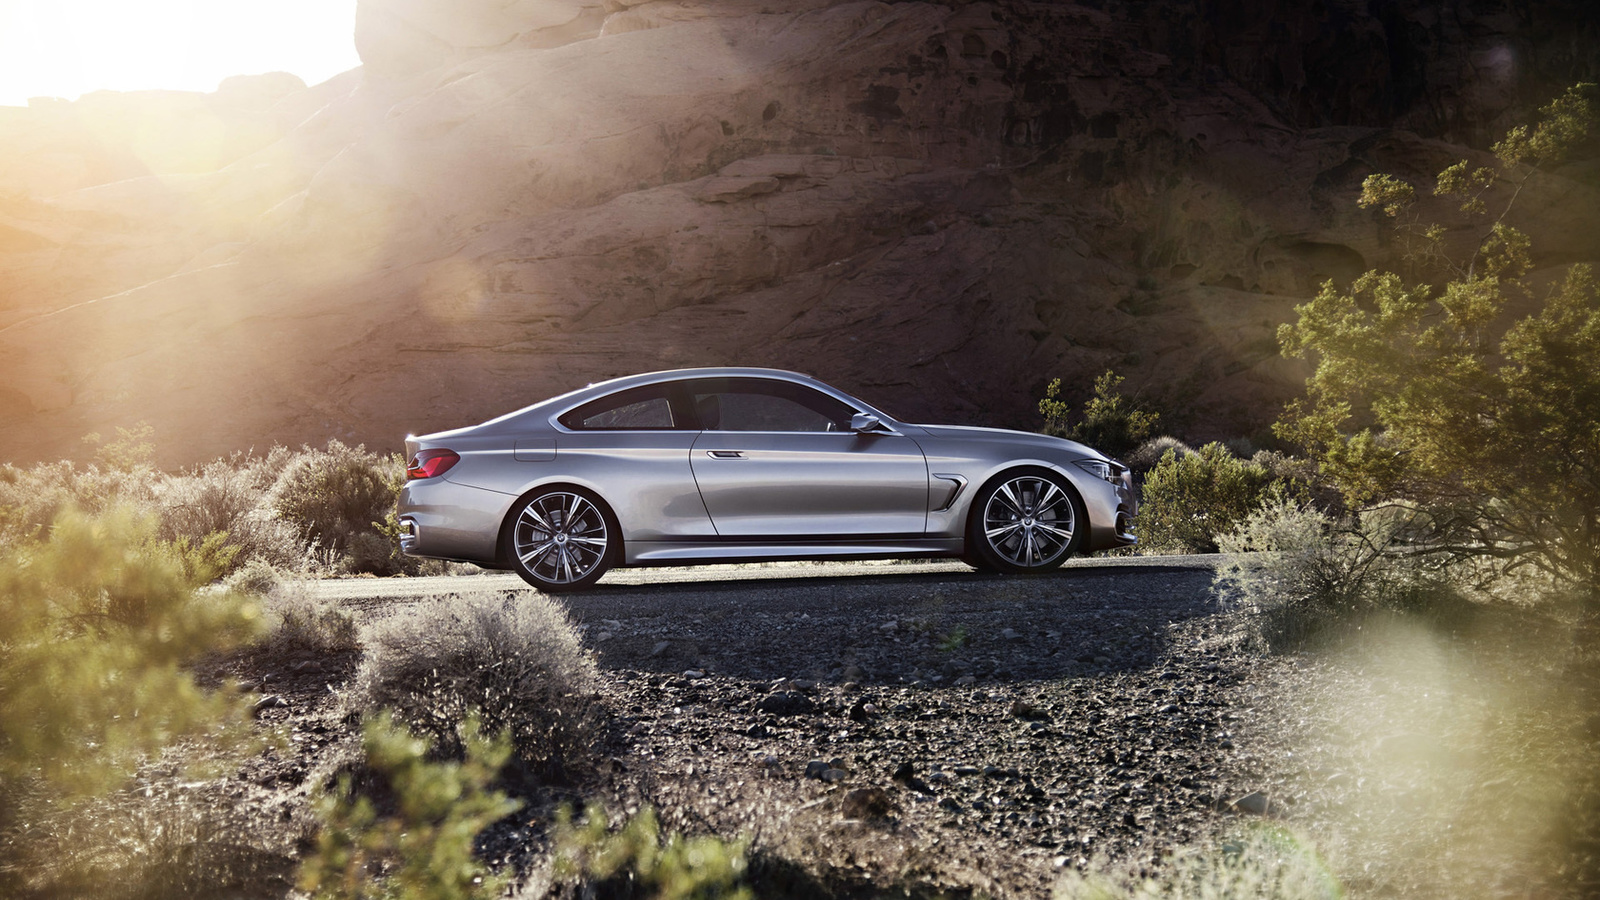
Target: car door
[[633, 446], [776, 459]]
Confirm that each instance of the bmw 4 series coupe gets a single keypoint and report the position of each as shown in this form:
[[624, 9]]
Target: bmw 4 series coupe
[[740, 465]]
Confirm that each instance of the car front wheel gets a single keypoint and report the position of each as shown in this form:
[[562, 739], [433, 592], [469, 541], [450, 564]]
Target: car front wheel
[[1026, 522], [561, 539]]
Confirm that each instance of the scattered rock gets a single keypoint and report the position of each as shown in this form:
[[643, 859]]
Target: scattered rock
[[786, 703], [1022, 709], [1255, 803], [867, 803]]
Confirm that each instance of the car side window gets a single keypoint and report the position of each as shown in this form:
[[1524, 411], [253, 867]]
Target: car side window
[[639, 409], [748, 404]]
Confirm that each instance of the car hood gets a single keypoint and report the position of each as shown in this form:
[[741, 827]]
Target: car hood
[[1043, 442]]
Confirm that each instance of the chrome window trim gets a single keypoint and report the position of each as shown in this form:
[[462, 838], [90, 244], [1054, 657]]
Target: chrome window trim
[[583, 396]]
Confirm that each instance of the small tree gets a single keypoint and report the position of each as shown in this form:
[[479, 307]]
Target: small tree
[[1112, 423], [1424, 392]]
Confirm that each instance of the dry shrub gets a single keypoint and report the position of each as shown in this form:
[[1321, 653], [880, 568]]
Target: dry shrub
[[1263, 862], [514, 658], [1300, 574], [167, 841], [303, 626], [337, 493], [229, 497], [31, 499], [1144, 457]]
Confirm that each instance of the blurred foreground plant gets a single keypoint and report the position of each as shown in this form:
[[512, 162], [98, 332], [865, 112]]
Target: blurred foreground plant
[[95, 625], [423, 851], [1265, 863], [645, 864]]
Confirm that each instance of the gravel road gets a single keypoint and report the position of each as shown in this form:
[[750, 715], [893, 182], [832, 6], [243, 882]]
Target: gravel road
[[963, 730], [924, 730]]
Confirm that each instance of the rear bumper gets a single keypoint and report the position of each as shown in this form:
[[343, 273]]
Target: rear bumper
[[443, 520]]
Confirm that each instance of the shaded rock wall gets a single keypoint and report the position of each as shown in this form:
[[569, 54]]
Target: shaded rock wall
[[939, 206]]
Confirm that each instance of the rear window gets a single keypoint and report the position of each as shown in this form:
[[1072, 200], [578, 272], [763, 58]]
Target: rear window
[[639, 409]]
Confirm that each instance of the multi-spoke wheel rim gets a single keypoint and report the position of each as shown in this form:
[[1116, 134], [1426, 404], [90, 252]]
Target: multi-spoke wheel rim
[[1029, 522], [560, 538]]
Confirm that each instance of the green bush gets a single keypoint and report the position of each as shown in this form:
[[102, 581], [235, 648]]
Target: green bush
[[1300, 574], [513, 659], [424, 850], [638, 861], [338, 494], [1189, 501], [1112, 423]]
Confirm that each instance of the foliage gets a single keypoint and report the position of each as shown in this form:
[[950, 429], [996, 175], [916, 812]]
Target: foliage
[[1189, 501], [304, 626], [95, 624], [132, 450], [229, 496], [1429, 389], [1267, 863], [32, 499], [955, 639], [1299, 573], [1112, 423], [677, 868], [425, 847], [1144, 457], [513, 659], [339, 494]]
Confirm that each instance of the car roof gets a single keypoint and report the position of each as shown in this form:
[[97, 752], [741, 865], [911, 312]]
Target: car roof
[[563, 402]]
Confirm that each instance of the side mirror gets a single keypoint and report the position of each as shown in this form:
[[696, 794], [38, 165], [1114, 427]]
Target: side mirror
[[867, 423]]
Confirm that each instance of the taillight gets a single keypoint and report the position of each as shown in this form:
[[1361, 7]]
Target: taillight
[[431, 463]]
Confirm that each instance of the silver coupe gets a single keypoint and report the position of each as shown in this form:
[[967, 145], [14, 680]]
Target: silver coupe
[[739, 465]]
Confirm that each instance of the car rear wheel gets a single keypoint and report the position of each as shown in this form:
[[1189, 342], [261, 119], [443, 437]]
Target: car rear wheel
[[1025, 522], [562, 539]]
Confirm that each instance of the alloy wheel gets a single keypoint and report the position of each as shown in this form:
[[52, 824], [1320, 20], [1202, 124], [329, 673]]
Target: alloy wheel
[[560, 540], [1029, 523]]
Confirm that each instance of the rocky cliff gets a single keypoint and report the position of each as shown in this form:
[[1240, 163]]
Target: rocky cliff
[[939, 206]]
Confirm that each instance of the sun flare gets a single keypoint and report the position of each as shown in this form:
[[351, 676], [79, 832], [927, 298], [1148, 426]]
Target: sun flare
[[66, 48]]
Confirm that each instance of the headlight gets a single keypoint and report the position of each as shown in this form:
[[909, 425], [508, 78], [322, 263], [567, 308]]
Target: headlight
[[1103, 469]]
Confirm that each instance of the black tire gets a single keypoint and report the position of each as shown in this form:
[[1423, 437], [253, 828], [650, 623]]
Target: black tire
[[561, 539], [1025, 522]]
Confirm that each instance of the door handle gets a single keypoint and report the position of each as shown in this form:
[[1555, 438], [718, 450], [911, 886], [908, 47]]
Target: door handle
[[725, 454]]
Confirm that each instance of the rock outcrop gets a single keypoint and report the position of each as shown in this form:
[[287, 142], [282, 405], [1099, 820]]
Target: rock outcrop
[[937, 205]]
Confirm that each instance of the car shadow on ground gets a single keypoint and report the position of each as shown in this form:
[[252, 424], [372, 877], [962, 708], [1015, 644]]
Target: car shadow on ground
[[934, 629]]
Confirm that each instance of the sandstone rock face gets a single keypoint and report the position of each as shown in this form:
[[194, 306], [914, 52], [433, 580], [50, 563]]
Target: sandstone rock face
[[939, 206]]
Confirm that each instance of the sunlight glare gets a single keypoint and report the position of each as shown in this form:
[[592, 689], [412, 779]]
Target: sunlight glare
[[66, 48]]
